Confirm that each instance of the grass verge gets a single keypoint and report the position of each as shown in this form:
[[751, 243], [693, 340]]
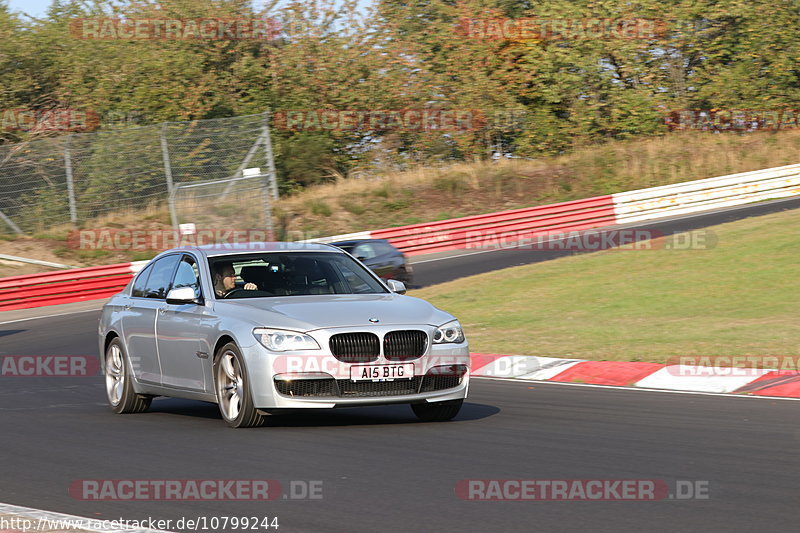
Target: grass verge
[[738, 298]]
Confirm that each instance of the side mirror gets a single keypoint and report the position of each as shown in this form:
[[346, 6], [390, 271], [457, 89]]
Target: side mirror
[[181, 295], [396, 286]]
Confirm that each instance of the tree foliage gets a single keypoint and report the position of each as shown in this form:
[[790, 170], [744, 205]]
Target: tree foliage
[[535, 95]]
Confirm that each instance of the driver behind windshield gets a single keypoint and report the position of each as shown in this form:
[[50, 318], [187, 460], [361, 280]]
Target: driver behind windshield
[[225, 280]]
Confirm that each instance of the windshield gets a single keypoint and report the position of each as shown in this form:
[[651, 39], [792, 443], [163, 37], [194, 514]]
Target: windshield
[[290, 274]]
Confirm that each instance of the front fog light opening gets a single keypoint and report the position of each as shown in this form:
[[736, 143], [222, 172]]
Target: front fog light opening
[[457, 370]]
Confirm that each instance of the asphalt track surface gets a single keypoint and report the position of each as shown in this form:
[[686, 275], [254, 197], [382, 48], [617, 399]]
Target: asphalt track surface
[[381, 470]]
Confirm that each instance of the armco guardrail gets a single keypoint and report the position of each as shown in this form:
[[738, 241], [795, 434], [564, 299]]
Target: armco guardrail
[[457, 233], [621, 208], [703, 195], [633, 206], [76, 285]]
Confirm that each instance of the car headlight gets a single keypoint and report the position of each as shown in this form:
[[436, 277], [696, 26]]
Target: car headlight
[[279, 340], [449, 333]]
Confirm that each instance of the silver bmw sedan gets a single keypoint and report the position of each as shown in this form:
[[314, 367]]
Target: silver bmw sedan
[[259, 327]]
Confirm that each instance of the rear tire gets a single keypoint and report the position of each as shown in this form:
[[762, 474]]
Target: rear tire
[[119, 386], [437, 411], [233, 389]]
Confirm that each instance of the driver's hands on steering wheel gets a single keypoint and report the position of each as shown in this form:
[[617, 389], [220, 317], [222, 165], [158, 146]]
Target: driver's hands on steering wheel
[[250, 287]]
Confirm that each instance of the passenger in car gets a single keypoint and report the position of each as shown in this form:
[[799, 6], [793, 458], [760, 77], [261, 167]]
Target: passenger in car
[[225, 280]]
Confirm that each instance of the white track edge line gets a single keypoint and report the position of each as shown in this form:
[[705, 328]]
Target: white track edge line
[[641, 389], [36, 514], [50, 316]]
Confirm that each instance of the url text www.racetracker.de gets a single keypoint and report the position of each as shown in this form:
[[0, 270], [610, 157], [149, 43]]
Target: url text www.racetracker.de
[[199, 523]]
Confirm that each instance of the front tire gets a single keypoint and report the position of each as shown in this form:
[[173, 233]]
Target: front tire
[[119, 386], [233, 389], [437, 411]]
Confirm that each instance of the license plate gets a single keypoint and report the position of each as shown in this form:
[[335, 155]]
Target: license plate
[[382, 372]]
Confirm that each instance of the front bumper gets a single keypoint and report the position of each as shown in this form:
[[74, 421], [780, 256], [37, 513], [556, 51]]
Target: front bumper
[[338, 390]]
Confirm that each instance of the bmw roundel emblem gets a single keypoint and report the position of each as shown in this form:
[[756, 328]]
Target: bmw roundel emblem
[[374, 320]]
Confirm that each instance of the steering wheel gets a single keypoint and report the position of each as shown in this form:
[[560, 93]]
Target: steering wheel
[[233, 292], [236, 293]]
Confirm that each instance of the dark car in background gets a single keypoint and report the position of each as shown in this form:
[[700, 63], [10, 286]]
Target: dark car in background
[[381, 257]]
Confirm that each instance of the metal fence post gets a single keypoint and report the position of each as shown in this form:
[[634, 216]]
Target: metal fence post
[[265, 197], [168, 173], [273, 182], [73, 212], [11, 224], [262, 139]]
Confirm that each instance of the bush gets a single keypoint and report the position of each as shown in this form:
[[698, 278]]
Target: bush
[[320, 208]]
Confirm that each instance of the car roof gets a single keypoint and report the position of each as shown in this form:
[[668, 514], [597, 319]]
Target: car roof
[[212, 250]]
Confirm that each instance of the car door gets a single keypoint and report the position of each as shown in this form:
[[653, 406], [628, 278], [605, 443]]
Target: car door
[[182, 349], [139, 322]]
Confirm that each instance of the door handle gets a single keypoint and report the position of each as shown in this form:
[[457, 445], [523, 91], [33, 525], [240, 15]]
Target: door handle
[[127, 307], [162, 310]]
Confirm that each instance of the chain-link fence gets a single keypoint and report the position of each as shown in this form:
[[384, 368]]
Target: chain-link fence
[[240, 203], [79, 178]]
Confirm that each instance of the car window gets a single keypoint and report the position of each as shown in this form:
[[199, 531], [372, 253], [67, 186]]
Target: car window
[[296, 274], [160, 276], [364, 250], [141, 281], [356, 280], [188, 275]]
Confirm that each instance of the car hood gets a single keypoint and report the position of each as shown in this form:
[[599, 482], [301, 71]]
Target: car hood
[[307, 313]]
